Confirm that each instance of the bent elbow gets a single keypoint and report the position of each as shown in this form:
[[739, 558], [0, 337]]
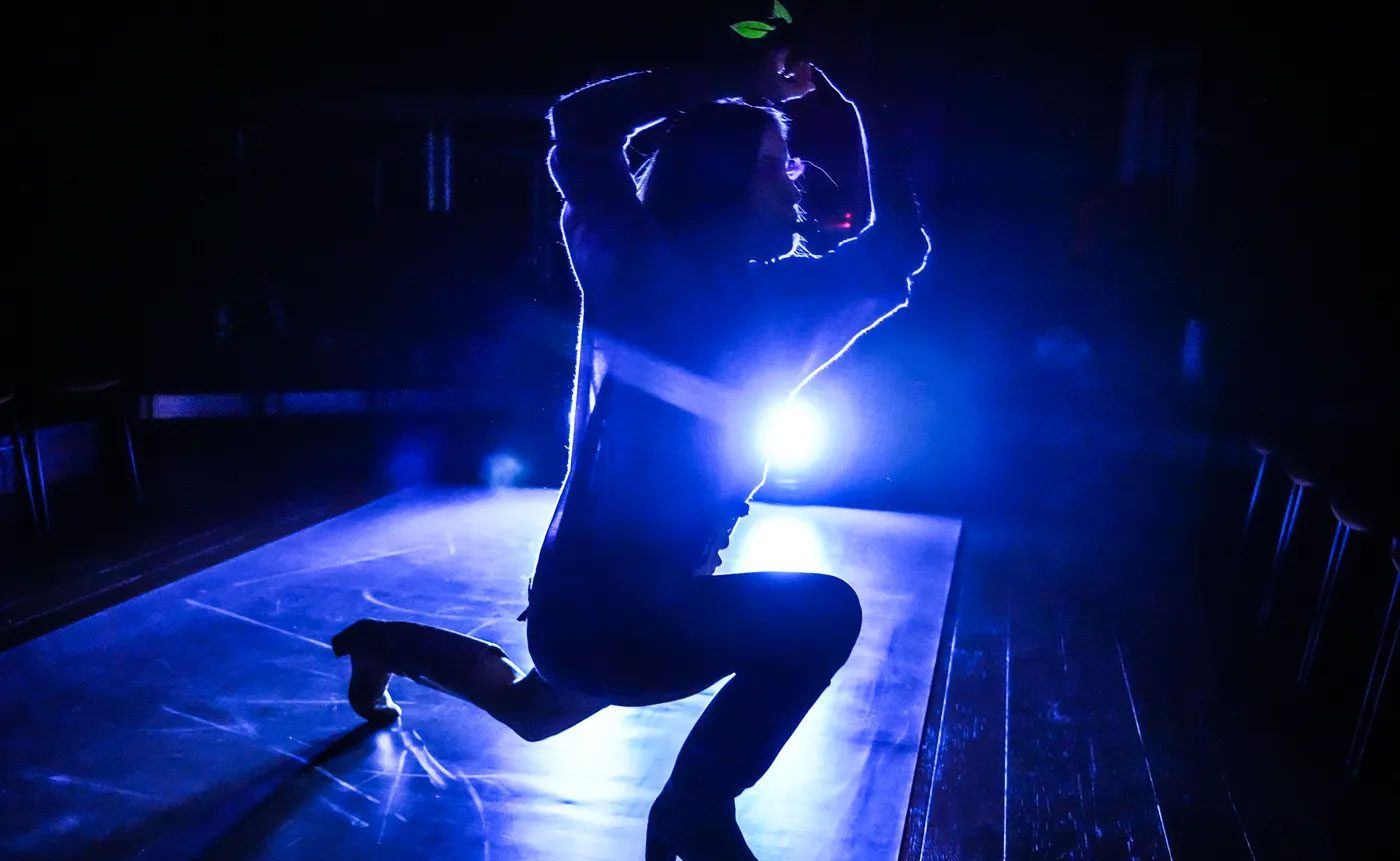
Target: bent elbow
[[897, 252], [565, 124], [591, 111], [917, 249]]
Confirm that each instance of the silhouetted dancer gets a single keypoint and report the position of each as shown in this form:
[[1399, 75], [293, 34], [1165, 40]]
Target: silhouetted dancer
[[701, 310]]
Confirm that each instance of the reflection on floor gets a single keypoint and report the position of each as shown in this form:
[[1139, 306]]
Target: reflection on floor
[[206, 718]]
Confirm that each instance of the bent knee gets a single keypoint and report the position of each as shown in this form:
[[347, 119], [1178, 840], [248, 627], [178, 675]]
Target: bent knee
[[849, 616], [532, 733], [838, 614], [491, 652]]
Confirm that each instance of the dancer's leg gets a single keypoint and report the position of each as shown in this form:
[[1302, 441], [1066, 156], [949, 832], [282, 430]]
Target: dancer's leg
[[474, 670], [782, 636]]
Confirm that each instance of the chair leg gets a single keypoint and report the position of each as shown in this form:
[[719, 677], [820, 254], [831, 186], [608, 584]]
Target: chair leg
[[131, 459], [40, 487], [22, 455]]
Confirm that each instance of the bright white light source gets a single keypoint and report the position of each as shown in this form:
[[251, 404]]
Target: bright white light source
[[792, 436]]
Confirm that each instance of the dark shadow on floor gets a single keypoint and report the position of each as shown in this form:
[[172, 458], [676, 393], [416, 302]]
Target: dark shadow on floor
[[234, 820]]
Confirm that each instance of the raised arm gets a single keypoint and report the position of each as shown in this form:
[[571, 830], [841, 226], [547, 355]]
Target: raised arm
[[590, 128], [844, 291], [892, 242]]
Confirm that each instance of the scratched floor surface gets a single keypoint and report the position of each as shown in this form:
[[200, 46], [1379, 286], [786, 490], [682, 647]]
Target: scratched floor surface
[[206, 719]]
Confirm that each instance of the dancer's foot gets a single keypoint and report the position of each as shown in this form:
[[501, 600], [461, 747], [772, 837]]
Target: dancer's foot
[[694, 829], [369, 678]]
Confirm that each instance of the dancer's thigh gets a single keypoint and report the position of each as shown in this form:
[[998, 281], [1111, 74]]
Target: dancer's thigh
[[680, 643]]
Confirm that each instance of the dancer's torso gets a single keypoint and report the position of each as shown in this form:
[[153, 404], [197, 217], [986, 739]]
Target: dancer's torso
[[652, 495], [662, 462]]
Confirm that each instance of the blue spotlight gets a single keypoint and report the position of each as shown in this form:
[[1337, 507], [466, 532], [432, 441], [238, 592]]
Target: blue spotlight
[[793, 436]]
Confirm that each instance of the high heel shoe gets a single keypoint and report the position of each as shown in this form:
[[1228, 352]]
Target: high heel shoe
[[692, 829], [369, 678]]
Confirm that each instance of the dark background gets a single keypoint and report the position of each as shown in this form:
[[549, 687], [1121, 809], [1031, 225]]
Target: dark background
[[1149, 251], [232, 197]]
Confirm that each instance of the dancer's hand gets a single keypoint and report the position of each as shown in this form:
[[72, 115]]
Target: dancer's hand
[[782, 78]]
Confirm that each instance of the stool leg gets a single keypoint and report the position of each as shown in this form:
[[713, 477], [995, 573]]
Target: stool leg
[[1254, 496], [1236, 571], [1324, 599], [1375, 685], [1285, 536], [22, 455]]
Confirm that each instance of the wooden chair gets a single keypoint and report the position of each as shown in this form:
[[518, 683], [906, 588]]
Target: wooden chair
[[12, 425], [103, 399]]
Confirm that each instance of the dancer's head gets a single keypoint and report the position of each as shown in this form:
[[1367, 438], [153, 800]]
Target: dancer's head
[[722, 184]]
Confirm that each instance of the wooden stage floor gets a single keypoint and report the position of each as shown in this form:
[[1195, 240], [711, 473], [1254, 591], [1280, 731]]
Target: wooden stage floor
[[206, 718]]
